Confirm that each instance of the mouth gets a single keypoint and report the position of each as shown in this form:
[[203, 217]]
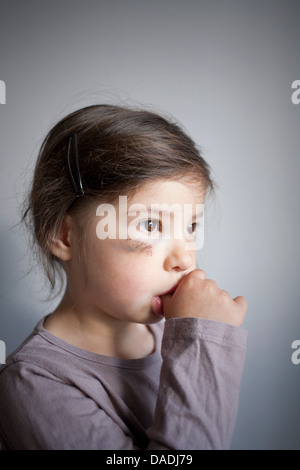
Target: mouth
[[157, 305], [170, 291]]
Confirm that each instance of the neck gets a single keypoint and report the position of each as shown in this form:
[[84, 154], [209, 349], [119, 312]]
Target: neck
[[98, 332]]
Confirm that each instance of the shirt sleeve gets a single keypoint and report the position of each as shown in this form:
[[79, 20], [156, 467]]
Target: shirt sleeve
[[199, 388]]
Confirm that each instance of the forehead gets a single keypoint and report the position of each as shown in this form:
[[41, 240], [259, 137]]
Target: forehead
[[170, 192]]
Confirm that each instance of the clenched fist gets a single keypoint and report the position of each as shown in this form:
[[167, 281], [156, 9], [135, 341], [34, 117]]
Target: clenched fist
[[197, 296]]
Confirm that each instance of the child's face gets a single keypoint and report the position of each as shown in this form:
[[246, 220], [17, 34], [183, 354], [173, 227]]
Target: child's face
[[128, 272]]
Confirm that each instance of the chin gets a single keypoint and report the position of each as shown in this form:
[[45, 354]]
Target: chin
[[154, 318], [147, 318]]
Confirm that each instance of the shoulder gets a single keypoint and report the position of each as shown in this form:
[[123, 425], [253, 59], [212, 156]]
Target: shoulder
[[40, 355], [35, 360]]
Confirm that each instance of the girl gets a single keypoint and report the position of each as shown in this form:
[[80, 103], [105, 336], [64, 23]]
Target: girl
[[142, 352]]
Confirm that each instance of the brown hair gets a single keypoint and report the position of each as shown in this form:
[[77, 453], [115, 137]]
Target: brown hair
[[119, 149]]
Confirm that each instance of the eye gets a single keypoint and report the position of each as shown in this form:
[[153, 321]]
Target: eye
[[149, 225], [191, 229]]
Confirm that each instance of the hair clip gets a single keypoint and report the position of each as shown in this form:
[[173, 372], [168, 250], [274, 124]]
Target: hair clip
[[78, 188]]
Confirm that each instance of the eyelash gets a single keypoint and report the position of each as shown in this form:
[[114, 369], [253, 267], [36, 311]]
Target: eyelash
[[147, 221], [193, 224]]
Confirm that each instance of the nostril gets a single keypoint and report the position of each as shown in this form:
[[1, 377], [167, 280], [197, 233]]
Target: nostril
[[179, 261]]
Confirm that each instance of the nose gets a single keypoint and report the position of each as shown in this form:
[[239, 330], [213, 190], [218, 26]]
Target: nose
[[179, 258]]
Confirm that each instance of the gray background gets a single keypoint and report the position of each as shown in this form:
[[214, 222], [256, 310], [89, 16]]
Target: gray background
[[224, 69]]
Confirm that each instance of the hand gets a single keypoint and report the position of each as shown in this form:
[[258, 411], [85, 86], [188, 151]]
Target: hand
[[197, 296]]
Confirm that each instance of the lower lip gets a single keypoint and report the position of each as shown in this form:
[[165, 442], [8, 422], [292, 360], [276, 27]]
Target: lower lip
[[157, 306]]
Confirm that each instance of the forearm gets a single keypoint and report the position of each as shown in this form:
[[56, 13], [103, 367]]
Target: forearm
[[199, 389]]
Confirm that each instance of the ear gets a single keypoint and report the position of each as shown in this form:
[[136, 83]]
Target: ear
[[60, 245]]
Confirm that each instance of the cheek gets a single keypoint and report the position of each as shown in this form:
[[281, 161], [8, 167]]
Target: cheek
[[125, 291], [121, 268], [125, 276], [135, 278]]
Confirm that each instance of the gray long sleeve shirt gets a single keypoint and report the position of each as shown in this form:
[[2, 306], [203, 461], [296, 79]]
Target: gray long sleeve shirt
[[184, 396]]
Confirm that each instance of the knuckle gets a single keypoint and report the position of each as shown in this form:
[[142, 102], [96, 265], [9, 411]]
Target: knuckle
[[193, 278], [226, 296], [200, 274], [210, 285]]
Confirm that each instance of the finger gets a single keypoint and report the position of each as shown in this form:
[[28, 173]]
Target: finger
[[202, 274], [166, 299], [242, 302], [196, 273], [165, 304]]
